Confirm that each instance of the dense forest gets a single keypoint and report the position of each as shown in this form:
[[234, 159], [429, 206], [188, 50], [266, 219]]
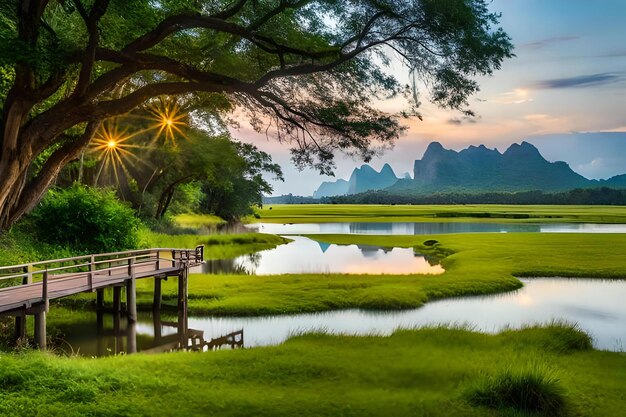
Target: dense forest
[[583, 196]]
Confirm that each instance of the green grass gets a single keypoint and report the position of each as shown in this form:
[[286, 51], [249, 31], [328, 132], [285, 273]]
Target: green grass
[[427, 372], [18, 247], [197, 220], [216, 246], [534, 390], [325, 213], [411, 373], [475, 264]]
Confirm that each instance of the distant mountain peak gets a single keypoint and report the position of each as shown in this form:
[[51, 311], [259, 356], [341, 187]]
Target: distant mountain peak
[[520, 168], [365, 167], [434, 148], [387, 170], [363, 178], [523, 149]]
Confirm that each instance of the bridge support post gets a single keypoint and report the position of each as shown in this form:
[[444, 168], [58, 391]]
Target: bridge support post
[[100, 299], [117, 299], [131, 293], [131, 337], [158, 330], [40, 329], [156, 304], [182, 307], [20, 327], [131, 300], [117, 331]]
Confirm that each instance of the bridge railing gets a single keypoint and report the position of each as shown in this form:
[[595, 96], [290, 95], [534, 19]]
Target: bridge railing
[[87, 266]]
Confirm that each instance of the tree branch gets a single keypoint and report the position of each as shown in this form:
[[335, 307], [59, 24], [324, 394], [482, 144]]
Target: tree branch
[[91, 22], [51, 168]]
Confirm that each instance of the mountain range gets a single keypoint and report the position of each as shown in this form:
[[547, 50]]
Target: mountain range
[[362, 179], [475, 169]]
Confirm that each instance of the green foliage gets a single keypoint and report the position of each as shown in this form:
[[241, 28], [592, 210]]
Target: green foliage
[[424, 372], [86, 220], [187, 198], [445, 43], [20, 245], [7, 74], [216, 246], [531, 391]]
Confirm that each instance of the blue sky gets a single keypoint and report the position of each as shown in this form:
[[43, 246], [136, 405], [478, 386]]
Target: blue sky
[[568, 79]]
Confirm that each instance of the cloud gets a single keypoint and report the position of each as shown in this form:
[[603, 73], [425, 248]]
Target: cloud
[[613, 54], [517, 96], [580, 81], [534, 117], [457, 121], [548, 41], [619, 129]]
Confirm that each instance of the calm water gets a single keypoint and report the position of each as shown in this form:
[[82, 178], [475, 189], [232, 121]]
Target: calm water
[[432, 228], [304, 255], [596, 305]]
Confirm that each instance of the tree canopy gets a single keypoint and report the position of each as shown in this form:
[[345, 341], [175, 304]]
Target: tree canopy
[[308, 69]]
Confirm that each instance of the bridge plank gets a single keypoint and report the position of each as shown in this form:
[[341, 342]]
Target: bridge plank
[[63, 285]]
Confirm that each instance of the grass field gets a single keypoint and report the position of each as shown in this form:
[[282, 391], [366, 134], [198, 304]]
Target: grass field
[[197, 220], [426, 372], [216, 246], [430, 372], [320, 213], [475, 264]]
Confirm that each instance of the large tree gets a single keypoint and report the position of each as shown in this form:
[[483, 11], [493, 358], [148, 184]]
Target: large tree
[[311, 68]]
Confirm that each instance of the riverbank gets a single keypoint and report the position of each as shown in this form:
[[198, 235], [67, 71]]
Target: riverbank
[[475, 264], [330, 213], [419, 372]]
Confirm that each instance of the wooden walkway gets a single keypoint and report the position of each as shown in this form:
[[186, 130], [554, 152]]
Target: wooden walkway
[[27, 289]]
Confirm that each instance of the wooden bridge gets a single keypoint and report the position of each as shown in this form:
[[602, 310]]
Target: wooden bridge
[[28, 289]]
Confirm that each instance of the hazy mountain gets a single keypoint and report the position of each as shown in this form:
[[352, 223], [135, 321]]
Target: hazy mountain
[[362, 179], [331, 188], [366, 178], [618, 181], [477, 168]]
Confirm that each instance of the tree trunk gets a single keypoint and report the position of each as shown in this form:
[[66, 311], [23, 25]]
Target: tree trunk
[[21, 189]]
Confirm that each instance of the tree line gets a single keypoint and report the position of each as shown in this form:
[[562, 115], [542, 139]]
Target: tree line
[[581, 196]]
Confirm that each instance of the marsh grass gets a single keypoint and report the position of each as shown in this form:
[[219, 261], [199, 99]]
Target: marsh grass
[[536, 391], [426, 372], [325, 213]]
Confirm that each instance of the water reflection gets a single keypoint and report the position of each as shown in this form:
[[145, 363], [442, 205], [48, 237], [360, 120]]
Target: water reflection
[[432, 228], [596, 305], [304, 255], [104, 333]]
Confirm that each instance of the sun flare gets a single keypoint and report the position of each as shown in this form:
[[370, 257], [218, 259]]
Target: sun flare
[[168, 119]]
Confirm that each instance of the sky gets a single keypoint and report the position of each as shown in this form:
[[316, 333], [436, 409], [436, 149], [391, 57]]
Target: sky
[[565, 92]]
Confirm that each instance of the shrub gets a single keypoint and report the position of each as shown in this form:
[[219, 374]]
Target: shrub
[[86, 220], [532, 391]]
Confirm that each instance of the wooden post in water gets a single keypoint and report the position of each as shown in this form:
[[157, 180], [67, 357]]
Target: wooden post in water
[[117, 331], [158, 330], [117, 299], [131, 337], [156, 303], [100, 299], [131, 292], [182, 306]]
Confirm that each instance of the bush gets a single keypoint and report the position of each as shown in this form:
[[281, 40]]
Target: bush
[[86, 219], [532, 391]]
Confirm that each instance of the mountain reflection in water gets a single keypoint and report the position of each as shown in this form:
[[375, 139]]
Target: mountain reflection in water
[[305, 255]]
